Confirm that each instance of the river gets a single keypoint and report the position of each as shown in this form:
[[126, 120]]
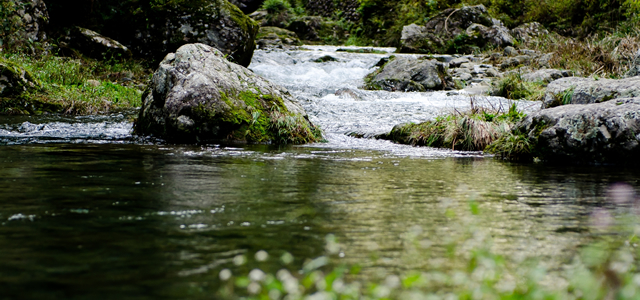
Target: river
[[89, 211]]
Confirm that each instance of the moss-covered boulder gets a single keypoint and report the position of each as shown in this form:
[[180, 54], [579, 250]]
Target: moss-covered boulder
[[274, 37], [151, 29], [459, 30], [196, 95], [409, 74], [15, 80]]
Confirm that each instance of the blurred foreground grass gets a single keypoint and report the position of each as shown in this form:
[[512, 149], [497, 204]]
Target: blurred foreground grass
[[607, 268]]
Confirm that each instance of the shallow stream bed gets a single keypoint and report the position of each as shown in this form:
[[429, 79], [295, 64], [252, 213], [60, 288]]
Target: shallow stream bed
[[89, 211]]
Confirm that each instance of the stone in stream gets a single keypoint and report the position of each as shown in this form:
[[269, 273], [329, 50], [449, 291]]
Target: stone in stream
[[579, 90], [607, 132], [408, 74], [197, 96]]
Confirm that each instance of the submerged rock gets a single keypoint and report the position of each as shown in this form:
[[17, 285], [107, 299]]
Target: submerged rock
[[408, 74], [607, 132], [578, 90], [196, 95], [15, 80]]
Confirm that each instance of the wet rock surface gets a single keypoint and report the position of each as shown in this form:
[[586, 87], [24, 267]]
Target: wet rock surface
[[578, 90], [607, 132], [198, 96]]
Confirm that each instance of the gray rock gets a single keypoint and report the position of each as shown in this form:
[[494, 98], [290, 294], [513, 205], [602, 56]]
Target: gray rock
[[196, 95], [456, 62], [492, 72], [516, 61], [510, 51], [578, 90], [408, 74], [95, 45], [465, 76], [494, 36], [606, 132], [529, 31], [15, 80], [543, 75], [307, 28]]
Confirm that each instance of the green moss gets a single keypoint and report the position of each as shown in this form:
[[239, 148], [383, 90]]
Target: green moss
[[255, 118]]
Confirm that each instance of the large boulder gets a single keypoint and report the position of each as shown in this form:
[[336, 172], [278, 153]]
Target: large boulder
[[15, 80], [607, 132], [94, 45], [151, 29], [408, 74], [196, 95], [579, 90], [455, 30]]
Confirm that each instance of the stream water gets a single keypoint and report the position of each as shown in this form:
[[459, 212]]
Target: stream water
[[89, 211]]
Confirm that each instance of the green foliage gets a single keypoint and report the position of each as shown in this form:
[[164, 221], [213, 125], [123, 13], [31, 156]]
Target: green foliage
[[514, 87], [473, 130], [75, 86]]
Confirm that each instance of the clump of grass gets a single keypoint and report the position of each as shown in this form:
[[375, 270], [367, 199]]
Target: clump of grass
[[473, 130], [514, 87], [79, 86], [607, 55], [512, 146], [296, 129], [278, 12]]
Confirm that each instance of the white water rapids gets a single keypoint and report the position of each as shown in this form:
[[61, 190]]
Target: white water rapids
[[314, 84], [359, 111]]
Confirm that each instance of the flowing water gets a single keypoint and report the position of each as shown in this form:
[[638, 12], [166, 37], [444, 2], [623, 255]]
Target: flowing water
[[89, 211]]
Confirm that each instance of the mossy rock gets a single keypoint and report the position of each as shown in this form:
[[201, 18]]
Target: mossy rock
[[274, 37], [197, 96], [15, 80]]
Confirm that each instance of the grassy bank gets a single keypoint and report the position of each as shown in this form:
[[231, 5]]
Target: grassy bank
[[76, 86], [604, 268]]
